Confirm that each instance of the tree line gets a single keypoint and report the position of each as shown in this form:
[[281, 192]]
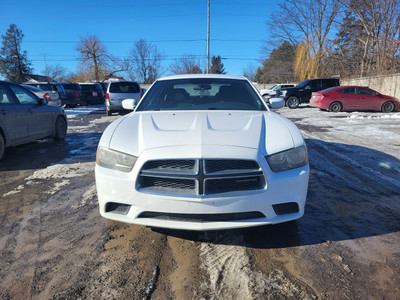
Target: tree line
[[324, 38], [319, 38], [96, 63]]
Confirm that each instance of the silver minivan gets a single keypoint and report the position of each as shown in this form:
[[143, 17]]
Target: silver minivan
[[121, 90]]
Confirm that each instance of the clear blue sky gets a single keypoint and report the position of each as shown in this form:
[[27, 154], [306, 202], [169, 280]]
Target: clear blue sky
[[52, 28]]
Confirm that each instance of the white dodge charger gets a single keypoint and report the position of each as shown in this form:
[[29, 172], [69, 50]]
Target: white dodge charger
[[202, 152]]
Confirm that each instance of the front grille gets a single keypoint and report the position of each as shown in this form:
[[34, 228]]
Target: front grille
[[229, 166], [171, 166], [200, 177]]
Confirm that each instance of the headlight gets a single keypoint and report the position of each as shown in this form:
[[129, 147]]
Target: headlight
[[289, 159], [115, 160]]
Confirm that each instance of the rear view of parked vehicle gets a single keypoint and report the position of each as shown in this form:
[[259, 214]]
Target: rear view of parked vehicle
[[73, 91], [119, 91], [353, 98], [25, 117], [51, 97], [54, 87], [92, 93]]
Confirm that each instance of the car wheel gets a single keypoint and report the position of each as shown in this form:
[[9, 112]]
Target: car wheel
[[2, 146], [293, 102], [60, 129], [335, 107], [387, 107]]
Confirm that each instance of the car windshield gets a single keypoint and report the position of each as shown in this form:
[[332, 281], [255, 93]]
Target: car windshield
[[303, 84], [201, 94], [88, 87], [124, 87]]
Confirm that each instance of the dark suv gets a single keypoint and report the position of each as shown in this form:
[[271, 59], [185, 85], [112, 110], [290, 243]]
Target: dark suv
[[73, 91], [301, 93], [92, 93]]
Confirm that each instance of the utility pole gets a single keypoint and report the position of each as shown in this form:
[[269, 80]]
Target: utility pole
[[208, 37]]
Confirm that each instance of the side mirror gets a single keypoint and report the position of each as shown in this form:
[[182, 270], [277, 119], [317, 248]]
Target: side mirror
[[276, 103], [129, 104]]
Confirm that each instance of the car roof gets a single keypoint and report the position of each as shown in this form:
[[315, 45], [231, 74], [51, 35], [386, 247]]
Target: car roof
[[191, 76]]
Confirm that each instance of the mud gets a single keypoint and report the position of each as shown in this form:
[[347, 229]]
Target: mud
[[55, 245]]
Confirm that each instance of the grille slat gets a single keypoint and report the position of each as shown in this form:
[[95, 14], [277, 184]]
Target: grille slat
[[200, 177]]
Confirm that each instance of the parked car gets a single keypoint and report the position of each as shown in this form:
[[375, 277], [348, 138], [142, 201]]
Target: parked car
[[74, 92], [25, 117], [350, 98], [272, 89], [121, 90], [301, 93], [92, 93], [55, 87], [202, 152], [52, 97]]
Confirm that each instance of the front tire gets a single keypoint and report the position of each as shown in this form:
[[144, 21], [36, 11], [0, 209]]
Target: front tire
[[2, 146], [387, 107], [293, 102], [335, 107], [60, 129]]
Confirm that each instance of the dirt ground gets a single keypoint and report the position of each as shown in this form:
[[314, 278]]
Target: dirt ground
[[55, 245]]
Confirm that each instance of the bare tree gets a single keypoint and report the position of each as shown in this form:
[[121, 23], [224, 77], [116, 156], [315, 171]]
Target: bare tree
[[97, 63], [145, 62], [56, 72], [186, 65], [381, 44], [307, 22], [250, 72]]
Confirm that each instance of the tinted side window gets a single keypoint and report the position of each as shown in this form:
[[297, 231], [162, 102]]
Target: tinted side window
[[365, 91], [5, 97], [124, 87], [315, 84], [351, 91]]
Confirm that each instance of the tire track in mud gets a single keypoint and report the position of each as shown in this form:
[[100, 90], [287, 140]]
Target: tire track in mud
[[234, 272]]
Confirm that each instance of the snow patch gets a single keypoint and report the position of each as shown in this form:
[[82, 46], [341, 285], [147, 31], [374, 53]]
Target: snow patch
[[15, 191], [84, 110], [88, 198]]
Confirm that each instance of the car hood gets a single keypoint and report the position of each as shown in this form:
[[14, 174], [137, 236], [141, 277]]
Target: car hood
[[140, 131]]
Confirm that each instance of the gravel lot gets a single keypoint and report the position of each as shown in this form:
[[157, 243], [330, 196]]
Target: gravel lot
[[55, 245]]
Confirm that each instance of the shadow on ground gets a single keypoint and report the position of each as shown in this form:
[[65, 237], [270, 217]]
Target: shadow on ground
[[354, 192]]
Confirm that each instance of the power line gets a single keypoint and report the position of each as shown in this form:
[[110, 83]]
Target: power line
[[152, 41]]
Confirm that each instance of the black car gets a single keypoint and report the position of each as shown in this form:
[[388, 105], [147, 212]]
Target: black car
[[92, 93], [74, 92], [55, 87], [25, 117], [301, 93]]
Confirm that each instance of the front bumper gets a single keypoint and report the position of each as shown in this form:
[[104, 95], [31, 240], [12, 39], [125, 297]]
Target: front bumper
[[148, 209]]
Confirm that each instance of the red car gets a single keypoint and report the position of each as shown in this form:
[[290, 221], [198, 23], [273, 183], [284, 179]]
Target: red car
[[346, 98]]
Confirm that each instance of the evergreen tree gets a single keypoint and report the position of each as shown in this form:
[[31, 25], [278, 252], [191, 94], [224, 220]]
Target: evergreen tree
[[14, 64], [279, 66], [217, 67]]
